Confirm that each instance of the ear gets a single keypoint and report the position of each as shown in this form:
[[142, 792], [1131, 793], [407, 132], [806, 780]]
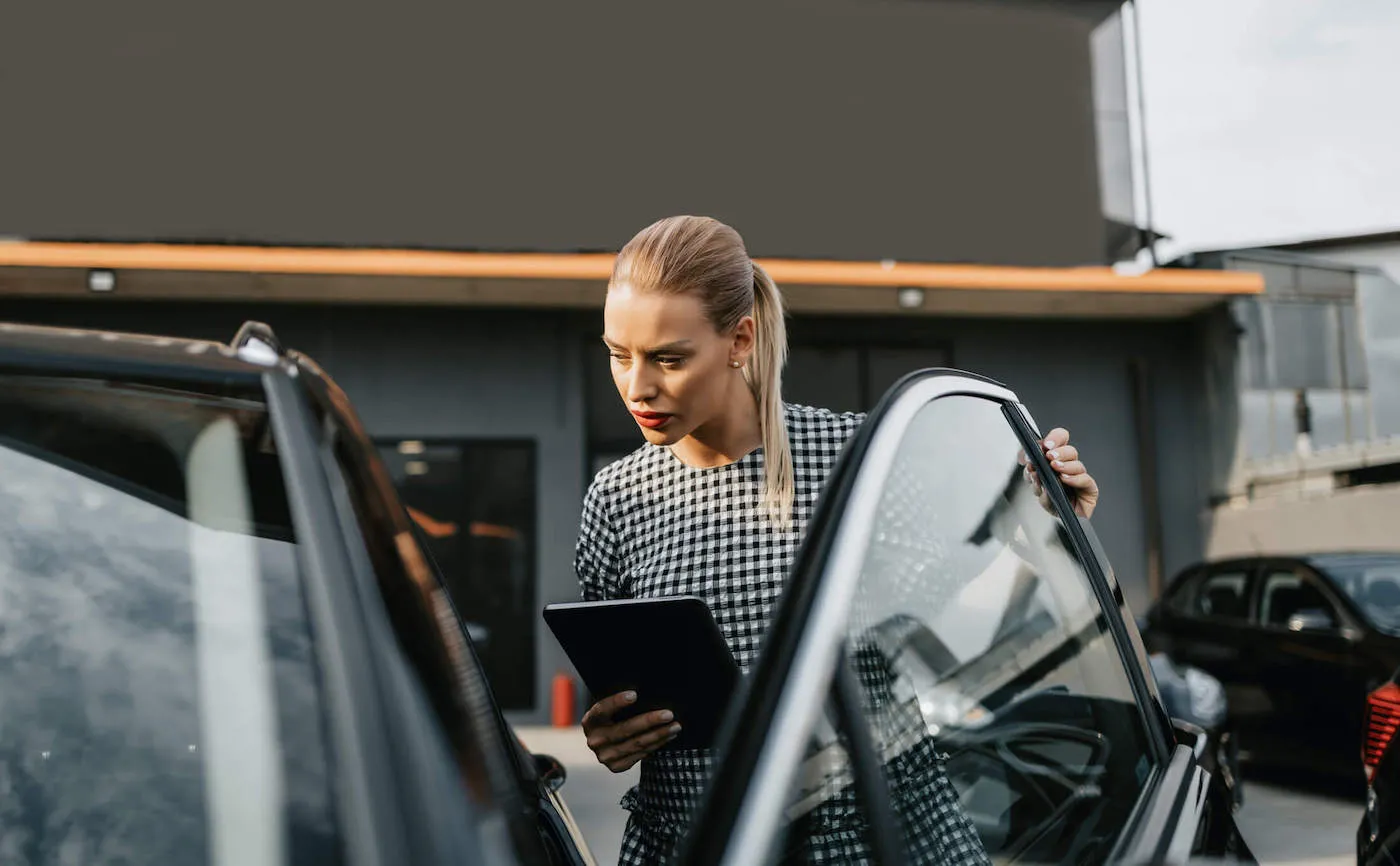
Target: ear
[[744, 340]]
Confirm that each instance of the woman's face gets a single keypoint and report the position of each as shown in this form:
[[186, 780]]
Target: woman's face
[[670, 365]]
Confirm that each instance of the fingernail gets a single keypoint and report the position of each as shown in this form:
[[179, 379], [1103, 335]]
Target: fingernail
[[1054, 455], [1049, 443], [675, 729], [667, 715], [629, 697], [1058, 465]]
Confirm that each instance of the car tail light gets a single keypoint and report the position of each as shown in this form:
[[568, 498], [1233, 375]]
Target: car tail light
[[1382, 721]]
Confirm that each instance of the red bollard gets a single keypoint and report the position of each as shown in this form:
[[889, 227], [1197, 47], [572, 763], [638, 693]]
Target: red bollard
[[563, 701]]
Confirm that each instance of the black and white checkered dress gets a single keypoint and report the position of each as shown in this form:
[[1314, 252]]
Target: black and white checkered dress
[[652, 527]]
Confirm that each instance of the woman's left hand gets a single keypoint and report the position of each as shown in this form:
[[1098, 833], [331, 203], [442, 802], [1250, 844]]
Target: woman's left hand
[[1065, 460]]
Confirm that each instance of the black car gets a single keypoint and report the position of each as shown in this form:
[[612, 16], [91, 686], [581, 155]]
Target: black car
[[222, 641], [1378, 837], [932, 580], [1298, 641]]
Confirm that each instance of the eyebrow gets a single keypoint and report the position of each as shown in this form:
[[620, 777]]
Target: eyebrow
[[676, 346]]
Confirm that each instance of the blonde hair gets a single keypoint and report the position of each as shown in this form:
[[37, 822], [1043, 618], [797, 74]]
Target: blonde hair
[[706, 258]]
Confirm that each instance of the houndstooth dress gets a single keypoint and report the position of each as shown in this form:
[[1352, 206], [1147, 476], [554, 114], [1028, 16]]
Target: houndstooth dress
[[654, 527]]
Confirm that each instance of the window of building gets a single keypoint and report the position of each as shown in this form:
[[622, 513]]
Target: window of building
[[473, 502]]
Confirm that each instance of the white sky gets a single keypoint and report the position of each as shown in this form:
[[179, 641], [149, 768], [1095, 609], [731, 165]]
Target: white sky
[[1271, 120]]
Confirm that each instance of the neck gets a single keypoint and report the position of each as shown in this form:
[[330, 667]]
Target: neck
[[727, 438]]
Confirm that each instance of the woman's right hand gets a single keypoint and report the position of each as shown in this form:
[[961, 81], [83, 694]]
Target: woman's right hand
[[619, 745]]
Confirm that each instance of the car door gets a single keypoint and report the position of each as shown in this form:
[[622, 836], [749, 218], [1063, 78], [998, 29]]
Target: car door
[[1206, 624], [1306, 667], [951, 677]]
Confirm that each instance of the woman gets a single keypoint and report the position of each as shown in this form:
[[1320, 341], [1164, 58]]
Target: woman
[[716, 501]]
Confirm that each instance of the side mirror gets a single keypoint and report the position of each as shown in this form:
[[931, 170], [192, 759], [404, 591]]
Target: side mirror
[[551, 771], [1311, 620]]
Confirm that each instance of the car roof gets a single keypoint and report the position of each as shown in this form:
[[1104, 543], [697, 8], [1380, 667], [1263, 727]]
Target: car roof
[[1361, 557], [205, 364]]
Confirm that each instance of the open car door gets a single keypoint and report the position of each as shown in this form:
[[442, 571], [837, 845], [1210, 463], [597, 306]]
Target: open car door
[[952, 675]]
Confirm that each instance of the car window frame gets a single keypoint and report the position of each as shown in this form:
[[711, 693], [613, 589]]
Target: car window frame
[[798, 671], [443, 829], [370, 819], [1185, 583], [1250, 568], [1345, 619]]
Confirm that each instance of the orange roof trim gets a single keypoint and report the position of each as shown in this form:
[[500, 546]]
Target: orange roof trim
[[598, 266]]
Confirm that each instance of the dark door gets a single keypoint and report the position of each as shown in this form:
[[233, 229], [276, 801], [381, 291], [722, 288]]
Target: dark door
[[949, 678], [1207, 624], [473, 503], [1307, 671]]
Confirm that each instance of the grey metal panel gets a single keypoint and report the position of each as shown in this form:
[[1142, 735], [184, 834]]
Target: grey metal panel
[[826, 376], [953, 130], [889, 365]]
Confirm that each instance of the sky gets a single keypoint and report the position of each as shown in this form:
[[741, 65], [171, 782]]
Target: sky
[[1271, 120]]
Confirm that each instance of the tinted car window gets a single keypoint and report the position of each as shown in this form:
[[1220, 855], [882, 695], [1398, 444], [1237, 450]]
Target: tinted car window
[[1285, 593], [983, 659], [1181, 597], [1223, 595], [1373, 582], [159, 700]]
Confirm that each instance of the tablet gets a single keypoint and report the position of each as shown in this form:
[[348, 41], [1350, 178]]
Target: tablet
[[668, 650]]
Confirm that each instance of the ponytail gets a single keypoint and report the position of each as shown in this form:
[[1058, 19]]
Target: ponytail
[[765, 377]]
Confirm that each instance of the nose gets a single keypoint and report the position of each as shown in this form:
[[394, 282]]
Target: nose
[[640, 385]]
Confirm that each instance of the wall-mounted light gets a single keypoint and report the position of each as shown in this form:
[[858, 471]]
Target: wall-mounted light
[[411, 446], [101, 280], [911, 297]]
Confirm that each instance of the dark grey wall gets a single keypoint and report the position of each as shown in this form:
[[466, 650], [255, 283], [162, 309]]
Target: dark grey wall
[[461, 373], [861, 129]]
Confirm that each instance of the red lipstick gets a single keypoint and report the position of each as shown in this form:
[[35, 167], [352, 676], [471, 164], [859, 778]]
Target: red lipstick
[[651, 420]]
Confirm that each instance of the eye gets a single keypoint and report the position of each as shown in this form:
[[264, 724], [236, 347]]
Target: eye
[[670, 362]]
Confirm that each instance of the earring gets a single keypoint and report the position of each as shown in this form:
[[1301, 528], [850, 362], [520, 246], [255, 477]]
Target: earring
[[735, 364]]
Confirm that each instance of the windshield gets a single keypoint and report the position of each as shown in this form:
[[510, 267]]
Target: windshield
[[1373, 583], [158, 692]]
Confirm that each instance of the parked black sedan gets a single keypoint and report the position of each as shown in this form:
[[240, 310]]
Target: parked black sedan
[[1299, 643], [221, 641]]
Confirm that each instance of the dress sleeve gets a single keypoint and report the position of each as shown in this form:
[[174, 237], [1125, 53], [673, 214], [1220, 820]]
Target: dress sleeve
[[596, 553]]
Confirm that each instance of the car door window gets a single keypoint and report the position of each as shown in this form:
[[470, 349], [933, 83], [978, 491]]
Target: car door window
[[1222, 594], [1181, 596], [1290, 600], [160, 695], [991, 690]]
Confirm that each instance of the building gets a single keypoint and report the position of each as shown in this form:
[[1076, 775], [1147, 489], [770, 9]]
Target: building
[[427, 205], [1308, 426], [1374, 249]]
